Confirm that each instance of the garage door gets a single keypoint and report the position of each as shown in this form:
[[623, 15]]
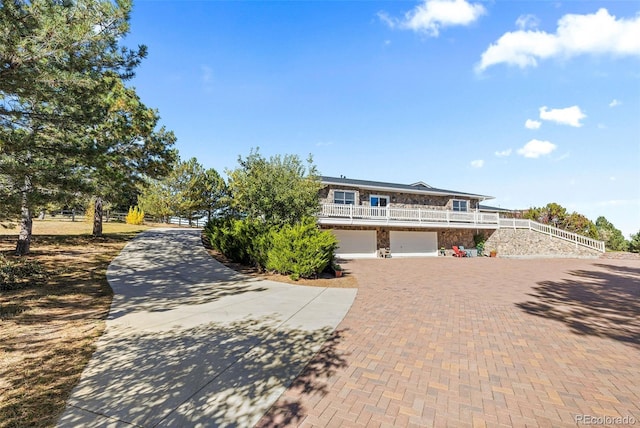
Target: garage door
[[413, 244], [355, 243]]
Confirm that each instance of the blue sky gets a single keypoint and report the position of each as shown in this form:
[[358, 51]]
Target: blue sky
[[527, 101]]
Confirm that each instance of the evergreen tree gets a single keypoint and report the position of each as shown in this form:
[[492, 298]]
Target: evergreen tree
[[189, 191], [613, 238], [556, 215], [127, 149], [634, 243], [60, 65]]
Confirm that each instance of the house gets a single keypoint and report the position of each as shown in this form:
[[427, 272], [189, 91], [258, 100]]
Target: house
[[408, 219], [417, 219]]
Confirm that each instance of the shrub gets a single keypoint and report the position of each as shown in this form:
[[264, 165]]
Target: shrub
[[15, 275], [135, 216], [241, 240], [301, 250]]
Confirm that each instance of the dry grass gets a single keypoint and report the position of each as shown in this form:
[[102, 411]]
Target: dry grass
[[48, 332]]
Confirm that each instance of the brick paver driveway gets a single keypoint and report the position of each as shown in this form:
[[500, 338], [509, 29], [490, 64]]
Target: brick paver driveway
[[478, 342]]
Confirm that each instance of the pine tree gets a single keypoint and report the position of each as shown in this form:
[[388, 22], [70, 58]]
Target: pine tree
[[60, 65]]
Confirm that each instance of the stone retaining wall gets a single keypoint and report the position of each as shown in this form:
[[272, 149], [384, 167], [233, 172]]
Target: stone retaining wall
[[528, 243]]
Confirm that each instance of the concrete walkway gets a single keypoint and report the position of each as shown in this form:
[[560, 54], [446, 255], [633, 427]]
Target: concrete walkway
[[190, 342]]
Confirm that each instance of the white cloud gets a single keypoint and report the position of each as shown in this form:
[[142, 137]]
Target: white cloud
[[432, 15], [525, 22], [536, 148], [532, 124], [614, 103], [478, 163], [503, 153], [597, 33], [565, 116]]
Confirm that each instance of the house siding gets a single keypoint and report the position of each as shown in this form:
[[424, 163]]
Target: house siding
[[397, 199], [446, 237]]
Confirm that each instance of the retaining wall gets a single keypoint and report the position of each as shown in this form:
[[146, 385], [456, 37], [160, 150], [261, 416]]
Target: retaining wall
[[528, 243]]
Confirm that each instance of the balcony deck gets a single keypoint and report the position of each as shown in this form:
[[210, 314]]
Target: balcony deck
[[360, 215]]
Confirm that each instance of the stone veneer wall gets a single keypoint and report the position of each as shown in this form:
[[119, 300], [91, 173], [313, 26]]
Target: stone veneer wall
[[446, 237], [508, 242], [397, 199], [524, 242]]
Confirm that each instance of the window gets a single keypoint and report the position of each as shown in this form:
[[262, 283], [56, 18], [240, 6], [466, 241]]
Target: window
[[460, 205], [345, 198], [379, 201]]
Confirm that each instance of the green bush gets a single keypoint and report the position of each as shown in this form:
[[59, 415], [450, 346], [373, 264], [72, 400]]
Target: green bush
[[15, 275], [241, 240], [300, 250]]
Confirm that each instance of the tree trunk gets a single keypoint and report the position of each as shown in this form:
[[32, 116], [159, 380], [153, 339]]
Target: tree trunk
[[97, 218], [26, 223]]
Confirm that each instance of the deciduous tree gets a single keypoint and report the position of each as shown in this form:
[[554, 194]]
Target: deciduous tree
[[280, 190]]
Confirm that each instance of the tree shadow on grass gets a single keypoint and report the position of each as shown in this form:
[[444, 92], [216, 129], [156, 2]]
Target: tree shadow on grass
[[602, 302]]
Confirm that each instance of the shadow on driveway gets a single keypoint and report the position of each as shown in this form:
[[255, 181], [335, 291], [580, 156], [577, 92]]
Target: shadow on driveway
[[602, 302], [210, 375]]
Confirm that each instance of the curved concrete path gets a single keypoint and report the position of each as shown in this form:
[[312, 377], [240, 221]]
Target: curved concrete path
[[189, 342]]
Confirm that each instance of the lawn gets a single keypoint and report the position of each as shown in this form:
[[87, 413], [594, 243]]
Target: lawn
[[48, 330]]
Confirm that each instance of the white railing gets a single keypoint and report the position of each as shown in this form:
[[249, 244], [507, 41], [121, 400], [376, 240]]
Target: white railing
[[417, 215], [407, 216], [200, 222], [553, 231]]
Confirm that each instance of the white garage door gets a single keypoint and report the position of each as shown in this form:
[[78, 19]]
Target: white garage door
[[413, 244], [355, 243]]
